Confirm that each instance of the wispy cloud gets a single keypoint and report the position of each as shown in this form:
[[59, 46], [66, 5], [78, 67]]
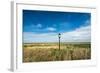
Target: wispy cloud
[[51, 29], [39, 26], [82, 34], [43, 37]]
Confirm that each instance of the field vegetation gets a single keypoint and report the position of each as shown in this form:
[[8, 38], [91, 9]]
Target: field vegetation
[[37, 52]]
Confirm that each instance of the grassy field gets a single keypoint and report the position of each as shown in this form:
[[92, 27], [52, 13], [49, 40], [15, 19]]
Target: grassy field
[[37, 52]]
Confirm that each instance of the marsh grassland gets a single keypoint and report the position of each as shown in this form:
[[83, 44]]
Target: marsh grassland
[[37, 52]]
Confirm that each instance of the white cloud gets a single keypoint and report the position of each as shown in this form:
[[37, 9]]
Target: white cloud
[[51, 29], [45, 37], [82, 34], [87, 22], [39, 25]]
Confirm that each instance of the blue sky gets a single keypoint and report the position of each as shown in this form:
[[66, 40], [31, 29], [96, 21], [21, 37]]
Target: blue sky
[[43, 26]]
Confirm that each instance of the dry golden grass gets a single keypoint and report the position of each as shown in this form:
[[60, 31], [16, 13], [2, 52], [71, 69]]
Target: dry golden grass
[[37, 52]]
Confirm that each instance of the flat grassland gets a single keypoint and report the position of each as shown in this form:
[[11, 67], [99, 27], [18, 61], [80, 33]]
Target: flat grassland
[[37, 52]]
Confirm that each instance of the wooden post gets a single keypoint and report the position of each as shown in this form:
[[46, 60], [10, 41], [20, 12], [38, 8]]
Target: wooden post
[[59, 35]]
